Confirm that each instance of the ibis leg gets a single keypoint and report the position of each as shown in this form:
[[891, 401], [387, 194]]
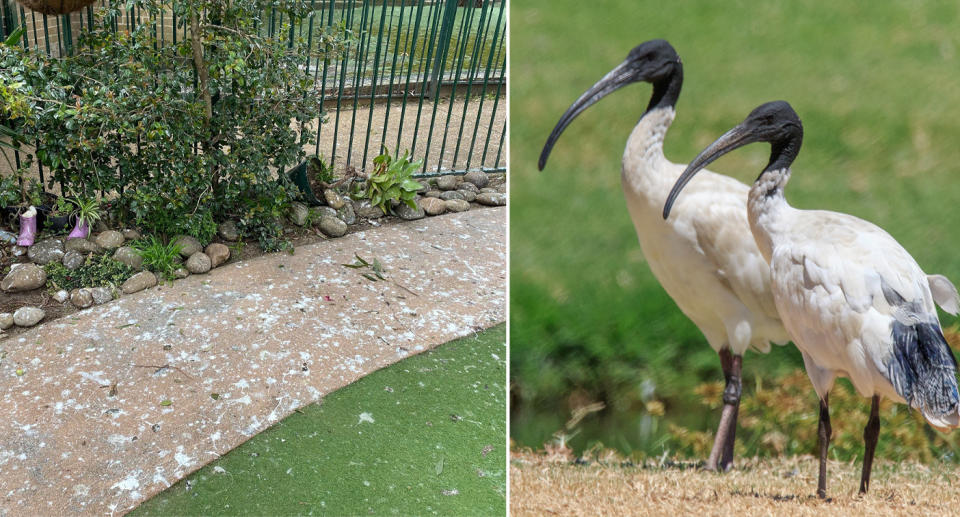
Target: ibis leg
[[721, 456], [824, 432], [870, 434], [731, 396]]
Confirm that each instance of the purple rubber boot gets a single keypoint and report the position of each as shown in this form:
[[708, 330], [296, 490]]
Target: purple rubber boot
[[80, 231], [28, 227]]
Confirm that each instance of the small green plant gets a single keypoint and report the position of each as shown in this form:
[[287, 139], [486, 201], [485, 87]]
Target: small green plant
[[392, 179], [34, 193], [86, 210], [9, 191], [99, 270], [319, 169], [236, 249], [161, 258]]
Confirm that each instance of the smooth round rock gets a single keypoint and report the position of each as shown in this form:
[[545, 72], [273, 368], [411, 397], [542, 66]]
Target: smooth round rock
[[347, 214], [74, 259], [451, 194], [492, 199], [298, 213], [365, 209], [447, 182], [228, 231], [469, 187], [110, 239], [101, 295], [468, 196], [489, 190], [81, 298], [28, 316], [46, 251], [218, 253], [457, 205], [188, 245], [477, 178], [181, 272], [23, 277], [319, 212], [199, 263], [82, 245], [410, 214], [61, 296], [333, 226], [432, 193], [128, 256], [130, 234], [6, 320], [333, 199], [139, 282], [433, 205]]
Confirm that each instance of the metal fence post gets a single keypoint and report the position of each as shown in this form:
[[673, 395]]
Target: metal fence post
[[443, 46]]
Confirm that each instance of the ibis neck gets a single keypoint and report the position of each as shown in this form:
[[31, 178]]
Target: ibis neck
[[765, 206], [666, 92], [645, 169]]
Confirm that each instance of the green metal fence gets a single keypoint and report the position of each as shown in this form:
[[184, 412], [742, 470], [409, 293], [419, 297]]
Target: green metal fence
[[427, 76]]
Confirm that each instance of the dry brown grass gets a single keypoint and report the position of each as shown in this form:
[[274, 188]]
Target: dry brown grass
[[543, 484]]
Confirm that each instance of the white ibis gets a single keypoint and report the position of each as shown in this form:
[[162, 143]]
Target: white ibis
[[705, 258], [854, 301]]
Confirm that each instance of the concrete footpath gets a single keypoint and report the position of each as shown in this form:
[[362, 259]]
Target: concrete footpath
[[106, 407]]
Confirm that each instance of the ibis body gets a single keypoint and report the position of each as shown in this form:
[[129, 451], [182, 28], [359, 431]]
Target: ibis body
[[854, 301], [705, 258]]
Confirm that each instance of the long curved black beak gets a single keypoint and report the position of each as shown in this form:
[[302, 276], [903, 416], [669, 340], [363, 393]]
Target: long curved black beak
[[737, 137], [622, 75]]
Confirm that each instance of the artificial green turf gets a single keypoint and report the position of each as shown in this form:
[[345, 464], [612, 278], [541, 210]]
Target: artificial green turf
[[876, 85], [425, 436]]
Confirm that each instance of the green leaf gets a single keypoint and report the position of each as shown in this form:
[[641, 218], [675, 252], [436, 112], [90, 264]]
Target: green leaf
[[14, 37], [166, 402]]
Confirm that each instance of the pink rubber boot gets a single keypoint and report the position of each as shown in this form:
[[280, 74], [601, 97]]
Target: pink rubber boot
[[28, 227], [80, 231]]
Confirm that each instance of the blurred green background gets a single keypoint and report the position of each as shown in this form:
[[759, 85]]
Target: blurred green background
[[877, 86]]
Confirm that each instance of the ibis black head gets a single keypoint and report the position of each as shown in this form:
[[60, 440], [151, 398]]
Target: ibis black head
[[654, 61], [774, 122]]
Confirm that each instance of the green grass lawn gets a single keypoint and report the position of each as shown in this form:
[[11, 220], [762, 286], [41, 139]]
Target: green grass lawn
[[425, 436], [877, 88], [407, 40]]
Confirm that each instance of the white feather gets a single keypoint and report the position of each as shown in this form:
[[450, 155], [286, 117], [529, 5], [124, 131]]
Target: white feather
[[704, 255]]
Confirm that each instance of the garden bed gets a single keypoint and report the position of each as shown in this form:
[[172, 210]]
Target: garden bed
[[297, 232]]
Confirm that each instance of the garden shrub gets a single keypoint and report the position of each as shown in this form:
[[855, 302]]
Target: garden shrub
[[183, 135], [99, 270], [779, 417]]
